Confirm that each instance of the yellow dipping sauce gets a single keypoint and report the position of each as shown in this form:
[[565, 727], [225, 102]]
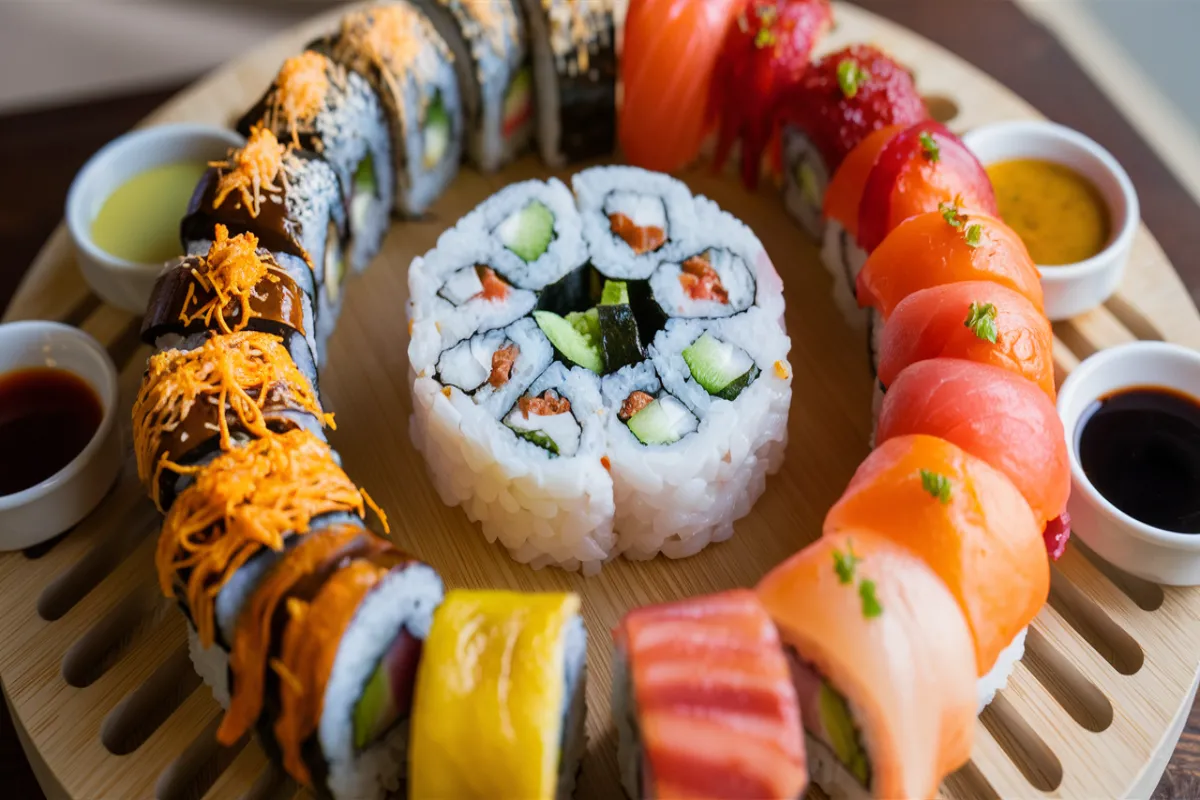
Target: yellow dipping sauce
[[1058, 213], [140, 220]]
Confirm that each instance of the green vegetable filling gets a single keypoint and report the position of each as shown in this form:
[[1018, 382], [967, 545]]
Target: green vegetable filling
[[841, 734], [436, 133], [529, 231], [722, 369], [539, 438]]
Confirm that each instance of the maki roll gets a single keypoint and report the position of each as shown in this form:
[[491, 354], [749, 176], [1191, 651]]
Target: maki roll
[[411, 67], [703, 702], [509, 721], [319, 106], [291, 201], [488, 39], [496, 367], [882, 662], [575, 77], [235, 286], [324, 659], [229, 390], [970, 525]]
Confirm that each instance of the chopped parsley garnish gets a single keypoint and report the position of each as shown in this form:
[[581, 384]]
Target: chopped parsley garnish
[[932, 151], [871, 607], [974, 235], [937, 485], [850, 76], [981, 319], [954, 218], [844, 563]]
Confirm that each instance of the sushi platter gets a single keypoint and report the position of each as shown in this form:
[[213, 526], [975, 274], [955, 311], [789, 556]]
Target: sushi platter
[[94, 660]]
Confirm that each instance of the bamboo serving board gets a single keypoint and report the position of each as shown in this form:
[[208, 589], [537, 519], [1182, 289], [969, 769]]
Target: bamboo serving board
[[94, 661]]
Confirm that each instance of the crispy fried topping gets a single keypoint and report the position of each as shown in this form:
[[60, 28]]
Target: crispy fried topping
[[251, 170], [231, 271], [300, 90]]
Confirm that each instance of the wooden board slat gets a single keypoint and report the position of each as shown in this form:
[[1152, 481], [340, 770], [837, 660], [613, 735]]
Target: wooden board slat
[[1090, 712]]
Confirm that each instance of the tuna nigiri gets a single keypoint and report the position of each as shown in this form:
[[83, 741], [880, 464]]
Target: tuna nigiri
[[706, 706], [920, 168], [974, 320], [883, 665], [970, 524], [992, 414], [946, 246], [670, 50], [765, 50]]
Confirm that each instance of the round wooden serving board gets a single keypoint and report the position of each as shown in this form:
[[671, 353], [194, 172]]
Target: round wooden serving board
[[94, 661]]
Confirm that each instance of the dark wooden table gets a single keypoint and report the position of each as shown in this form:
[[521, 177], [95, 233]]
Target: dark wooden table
[[41, 151]]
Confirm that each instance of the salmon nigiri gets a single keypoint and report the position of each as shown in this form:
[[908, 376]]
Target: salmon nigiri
[[943, 246], [883, 665], [845, 191], [920, 168], [974, 320], [709, 706], [970, 524], [670, 51], [992, 414]]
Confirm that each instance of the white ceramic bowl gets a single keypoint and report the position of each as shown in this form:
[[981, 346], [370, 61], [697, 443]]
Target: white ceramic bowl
[[46, 509], [1071, 289], [1148, 552], [127, 284]]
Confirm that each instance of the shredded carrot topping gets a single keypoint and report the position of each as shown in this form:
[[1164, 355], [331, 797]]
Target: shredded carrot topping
[[231, 271], [701, 281], [494, 287], [547, 405], [251, 170], [246, 499], [502, 364], [640, 240], [633, 404], [300, 90], [241, 373]]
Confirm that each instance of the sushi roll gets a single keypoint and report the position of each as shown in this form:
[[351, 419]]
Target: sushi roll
[[515, 726], [704, 703], [235, 285], [395, 47], [321, 107], [291, 201], [995, 415], [241, 502], [971, 526], [574, 77], [489, 43], [552, 463], [882, 662], [230, 389], [838, 102], [324, 660]]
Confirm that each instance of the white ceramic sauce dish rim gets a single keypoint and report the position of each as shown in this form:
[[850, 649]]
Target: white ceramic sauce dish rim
[[106, 393], [1105, 359], [1043, 129], [128, 146]]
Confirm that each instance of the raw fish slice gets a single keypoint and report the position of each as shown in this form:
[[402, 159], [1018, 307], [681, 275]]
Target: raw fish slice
[[946, 246], [978, 321], [964, 519], [845, 191], [993, 415]]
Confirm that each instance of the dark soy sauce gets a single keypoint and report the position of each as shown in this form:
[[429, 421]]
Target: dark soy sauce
[[1140, 448], [47, 417]]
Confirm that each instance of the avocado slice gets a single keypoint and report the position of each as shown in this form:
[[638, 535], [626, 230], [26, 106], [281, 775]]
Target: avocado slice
[[721, 368], [840, 730], [435, 136], [528, 231], [577, 340]]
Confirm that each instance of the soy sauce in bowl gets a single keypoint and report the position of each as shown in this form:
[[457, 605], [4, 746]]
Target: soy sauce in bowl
[[1140, 448]]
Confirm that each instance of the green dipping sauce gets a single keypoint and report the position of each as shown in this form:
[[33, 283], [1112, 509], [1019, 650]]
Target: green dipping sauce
[[140, 221]]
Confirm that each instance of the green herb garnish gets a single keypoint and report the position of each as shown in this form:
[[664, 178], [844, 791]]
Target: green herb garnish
[[932, 151], [850, 76], [765, 36], [973, 235], [844, 563], [937, 485], [954, 218], [870, 603], [981, 319]]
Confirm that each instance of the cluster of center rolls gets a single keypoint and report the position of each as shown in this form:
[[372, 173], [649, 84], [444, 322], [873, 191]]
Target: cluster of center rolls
[[601, 374], [339, 650]]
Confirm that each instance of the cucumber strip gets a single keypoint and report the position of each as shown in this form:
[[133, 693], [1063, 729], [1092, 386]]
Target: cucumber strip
[[664, 421], [616, 293], [435, 136], [537, 437], [528, 231], [573, 344], [721, 368]]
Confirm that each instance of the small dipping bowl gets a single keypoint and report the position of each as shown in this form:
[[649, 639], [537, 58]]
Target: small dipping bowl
[[1143, 550], [1071, 289], [46, 509], [120, 282]]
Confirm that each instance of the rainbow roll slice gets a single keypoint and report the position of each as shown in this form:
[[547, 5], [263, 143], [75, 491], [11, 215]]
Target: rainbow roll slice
[[499, 703], [704, 702], [883, 665]]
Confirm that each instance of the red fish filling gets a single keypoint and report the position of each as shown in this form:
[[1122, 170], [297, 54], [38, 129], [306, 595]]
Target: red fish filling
[[547, 405], [640, 239], [701, 282], [494, 287], [502, 364]]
